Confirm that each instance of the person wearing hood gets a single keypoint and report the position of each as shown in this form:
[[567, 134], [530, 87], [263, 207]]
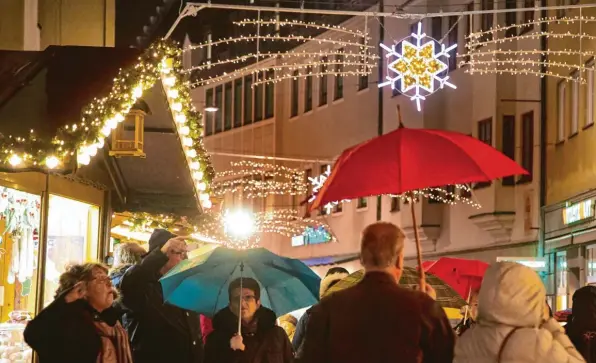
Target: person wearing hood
[[512, 326], [582, 326], [333, 275], [159, 332], [260, 341]]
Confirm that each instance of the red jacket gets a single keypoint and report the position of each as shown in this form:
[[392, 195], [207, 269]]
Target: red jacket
[[206, 327]]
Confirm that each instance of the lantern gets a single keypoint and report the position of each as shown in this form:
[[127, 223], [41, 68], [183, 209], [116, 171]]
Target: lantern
[[127, 139]]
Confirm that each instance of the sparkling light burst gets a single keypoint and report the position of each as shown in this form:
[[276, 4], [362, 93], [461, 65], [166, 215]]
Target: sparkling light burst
[[317, 184], [417, 67]]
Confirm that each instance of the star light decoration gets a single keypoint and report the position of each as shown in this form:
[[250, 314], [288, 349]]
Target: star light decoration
[[417, 67], [317, 183]]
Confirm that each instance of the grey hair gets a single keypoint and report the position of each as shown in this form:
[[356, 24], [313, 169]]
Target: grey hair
[[128, 253], [381, 245]]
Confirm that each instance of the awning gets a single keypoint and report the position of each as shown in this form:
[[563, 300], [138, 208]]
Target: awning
[[330, 260]]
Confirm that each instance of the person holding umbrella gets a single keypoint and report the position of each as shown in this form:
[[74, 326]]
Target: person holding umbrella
[[260, 339], [160, 332]]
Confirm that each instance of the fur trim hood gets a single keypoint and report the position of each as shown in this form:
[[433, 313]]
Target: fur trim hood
[[330, 280]]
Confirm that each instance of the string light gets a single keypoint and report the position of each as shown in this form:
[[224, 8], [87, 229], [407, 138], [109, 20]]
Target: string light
[[258, 180], [441, 195], [417, 66], [302, 24], [483, 60]]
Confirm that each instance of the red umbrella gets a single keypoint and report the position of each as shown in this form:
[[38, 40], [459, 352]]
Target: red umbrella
[[406, 160], [461, 274]]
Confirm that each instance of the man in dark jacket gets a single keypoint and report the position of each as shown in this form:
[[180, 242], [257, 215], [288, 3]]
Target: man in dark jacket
[[582, 327], [159, 333], [261, 341], [377, 320]]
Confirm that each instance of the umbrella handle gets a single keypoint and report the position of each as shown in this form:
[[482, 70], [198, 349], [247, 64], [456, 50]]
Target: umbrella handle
[[418, 249], [240, 302]]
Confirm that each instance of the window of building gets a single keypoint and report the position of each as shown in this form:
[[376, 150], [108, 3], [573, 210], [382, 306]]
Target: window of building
[[527, 161], [218, 104], [295, 92], [413, 28], [228, 106], [589, 115], [485, 134], [323, 81], [209, 115], [436, 28], [363, 78], [560, 11], [259, 89], [339, 78], [528, 17], [248, 99], [574, 103], [395, 205], [510, 18], [322, 170], [562, 110], [362, 203], [508, 143], [308, 90], [238, 102], [338, 208], [269, 94], [486, 19], [468, 28], [452, 39]]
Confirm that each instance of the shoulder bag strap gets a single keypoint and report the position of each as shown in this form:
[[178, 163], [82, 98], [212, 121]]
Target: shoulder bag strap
[[504, 343]]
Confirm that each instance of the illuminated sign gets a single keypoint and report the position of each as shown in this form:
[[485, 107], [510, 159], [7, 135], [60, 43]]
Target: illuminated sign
[[312, 236], [535, 263], [578, 212]]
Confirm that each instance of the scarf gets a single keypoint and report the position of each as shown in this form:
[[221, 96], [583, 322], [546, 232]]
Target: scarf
[[114, 343]]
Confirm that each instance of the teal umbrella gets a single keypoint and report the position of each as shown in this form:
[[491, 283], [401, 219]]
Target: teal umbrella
[[201, 284]]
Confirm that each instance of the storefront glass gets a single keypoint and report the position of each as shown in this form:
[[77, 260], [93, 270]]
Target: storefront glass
[[73, 237], [591, 264], [561, 282]]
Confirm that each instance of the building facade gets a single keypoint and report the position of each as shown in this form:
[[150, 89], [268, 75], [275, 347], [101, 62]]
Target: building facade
[[568, 218], [316, 118]]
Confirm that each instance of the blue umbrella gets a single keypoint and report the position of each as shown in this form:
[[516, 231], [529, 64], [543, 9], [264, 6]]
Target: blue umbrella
[[201, 284]]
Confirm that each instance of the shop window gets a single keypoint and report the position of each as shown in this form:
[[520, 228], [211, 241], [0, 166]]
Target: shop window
[[248, 100], [269, 94], [561, 110], [339, 78], [561, 283], [228, 106], [259, 89], [323, 81], [574, 103], [238, 102], [295, 92], [589, 114], [508, 143], [308, 90], [218, 104], [209, 115], [73, 237], [527, 161]]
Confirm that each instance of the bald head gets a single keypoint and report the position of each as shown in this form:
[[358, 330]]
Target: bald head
[[382, 246]]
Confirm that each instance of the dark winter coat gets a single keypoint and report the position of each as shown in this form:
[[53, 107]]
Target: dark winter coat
[[64, 332], [116, 276], [159, 333], [582, 327], [269, 344], [300, 333], [378, 321]]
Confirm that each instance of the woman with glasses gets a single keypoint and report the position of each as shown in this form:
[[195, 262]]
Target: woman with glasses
[[80, 325]]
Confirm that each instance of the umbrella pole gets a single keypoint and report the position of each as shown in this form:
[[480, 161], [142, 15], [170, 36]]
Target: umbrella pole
[[240, 302], [418, 249]]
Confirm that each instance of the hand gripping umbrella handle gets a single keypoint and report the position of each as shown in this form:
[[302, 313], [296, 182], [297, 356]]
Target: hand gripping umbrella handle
[[240, 302]]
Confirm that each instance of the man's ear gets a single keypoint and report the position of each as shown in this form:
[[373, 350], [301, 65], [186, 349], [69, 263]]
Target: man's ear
[[258, 303]]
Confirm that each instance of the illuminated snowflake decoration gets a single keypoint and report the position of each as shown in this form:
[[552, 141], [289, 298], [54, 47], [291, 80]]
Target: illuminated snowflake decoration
[[317, 184], [417, 68]]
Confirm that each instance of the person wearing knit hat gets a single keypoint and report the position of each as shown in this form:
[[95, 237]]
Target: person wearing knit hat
[[332, 277], [159, 332]]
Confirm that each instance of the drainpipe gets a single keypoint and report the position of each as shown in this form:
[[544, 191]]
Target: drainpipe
[[543, 135], [380, 90]]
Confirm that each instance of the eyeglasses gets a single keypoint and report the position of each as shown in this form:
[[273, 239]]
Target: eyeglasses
[[103, 280], [246, 299]]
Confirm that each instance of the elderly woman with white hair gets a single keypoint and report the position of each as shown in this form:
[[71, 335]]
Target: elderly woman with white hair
[[513, 325]]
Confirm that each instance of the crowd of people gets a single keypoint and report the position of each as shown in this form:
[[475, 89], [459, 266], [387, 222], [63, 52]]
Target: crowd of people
[[119, 316]]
